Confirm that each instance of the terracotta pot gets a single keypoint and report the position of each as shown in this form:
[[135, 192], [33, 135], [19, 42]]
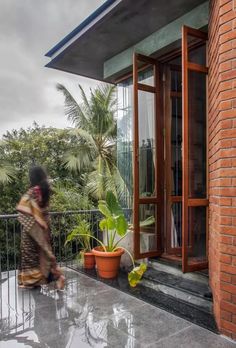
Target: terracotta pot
[[108, 263], [89, 260]]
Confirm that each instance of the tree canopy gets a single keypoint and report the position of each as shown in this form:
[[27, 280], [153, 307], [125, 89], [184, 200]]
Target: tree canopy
[[42, 146]]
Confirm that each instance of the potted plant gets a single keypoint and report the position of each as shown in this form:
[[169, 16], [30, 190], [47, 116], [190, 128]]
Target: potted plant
[[115, 228], [82, 233], [108, 253]]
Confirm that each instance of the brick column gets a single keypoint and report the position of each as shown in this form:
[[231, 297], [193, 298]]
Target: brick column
[[222, 162]]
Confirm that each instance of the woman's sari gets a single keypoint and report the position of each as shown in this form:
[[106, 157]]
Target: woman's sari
[[37, 259]]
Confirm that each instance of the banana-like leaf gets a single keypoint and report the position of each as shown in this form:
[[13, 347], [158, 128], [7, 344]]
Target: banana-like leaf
[[111, 223], [136, 274], [113, 204], [121, 225], [103, 224], [104, 209]]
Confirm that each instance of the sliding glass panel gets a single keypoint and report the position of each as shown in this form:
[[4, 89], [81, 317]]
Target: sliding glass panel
[[197, 223], [148, 235], [147, 151], [176, 147], [125, 140], [197, 134]]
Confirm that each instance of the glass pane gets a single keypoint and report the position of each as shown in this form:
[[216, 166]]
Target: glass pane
[[148, 233], [197, 234], [147, 151], [196, 50], [197, 134], [146, 76], [176, 147], [176, 225], [176, 81], [125, 140]]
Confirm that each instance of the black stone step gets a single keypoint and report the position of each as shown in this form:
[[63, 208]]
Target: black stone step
[[156, 297], [196, 288]]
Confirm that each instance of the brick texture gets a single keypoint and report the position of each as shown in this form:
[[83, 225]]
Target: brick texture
[[222, 162]]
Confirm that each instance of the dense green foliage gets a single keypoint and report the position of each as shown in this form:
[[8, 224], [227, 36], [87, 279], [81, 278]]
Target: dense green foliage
[[46, 147]]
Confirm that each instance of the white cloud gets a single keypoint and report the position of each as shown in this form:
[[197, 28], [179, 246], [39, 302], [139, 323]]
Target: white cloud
[[28, 29]]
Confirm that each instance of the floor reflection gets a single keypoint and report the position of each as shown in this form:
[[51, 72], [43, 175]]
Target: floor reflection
[[45, 317]]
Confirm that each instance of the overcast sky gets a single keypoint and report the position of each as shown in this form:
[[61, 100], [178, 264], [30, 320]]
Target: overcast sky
[[28, 29]]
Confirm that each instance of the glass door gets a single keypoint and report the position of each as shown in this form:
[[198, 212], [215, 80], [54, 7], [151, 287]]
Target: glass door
[[194, 150], [173, 156], [147, 158]]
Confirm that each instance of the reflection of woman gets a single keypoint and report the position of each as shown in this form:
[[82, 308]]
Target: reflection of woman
[[38, 264], [52, 321]]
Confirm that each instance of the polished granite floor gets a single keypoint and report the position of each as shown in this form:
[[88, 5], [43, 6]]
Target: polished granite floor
[[89, 313]]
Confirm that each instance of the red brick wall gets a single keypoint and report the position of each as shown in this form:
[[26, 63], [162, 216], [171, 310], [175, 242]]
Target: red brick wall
[[222, 162]]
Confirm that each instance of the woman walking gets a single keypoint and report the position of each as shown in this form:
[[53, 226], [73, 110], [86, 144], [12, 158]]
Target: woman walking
[[38, 263]]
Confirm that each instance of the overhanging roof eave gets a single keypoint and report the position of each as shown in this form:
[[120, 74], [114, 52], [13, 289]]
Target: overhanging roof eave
[[80, 27]]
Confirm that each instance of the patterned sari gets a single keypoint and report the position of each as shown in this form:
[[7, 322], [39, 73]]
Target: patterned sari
[[37, 259]]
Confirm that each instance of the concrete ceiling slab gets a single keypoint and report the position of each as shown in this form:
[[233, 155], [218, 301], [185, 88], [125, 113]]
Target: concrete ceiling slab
[[124, 25]]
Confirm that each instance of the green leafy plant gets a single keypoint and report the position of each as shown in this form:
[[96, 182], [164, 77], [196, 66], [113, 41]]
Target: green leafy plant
[[113, 224], [82, 234]]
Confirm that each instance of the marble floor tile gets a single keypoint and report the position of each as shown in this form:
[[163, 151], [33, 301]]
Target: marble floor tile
[[89, 313], [194, 337]]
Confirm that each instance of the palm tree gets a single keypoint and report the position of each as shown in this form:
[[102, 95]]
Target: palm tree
[[95, 130], [7, 172]]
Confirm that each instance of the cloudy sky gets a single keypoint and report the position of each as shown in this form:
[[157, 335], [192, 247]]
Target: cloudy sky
[[28, 29]]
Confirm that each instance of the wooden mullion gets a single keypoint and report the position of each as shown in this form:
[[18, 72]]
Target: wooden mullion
[[136, 160], [198, 202], [145, 59], [196, 33], [167, 103], [197, 67], [176, 199], [148, 200], [146, 88], [185, 149], [159, 179]]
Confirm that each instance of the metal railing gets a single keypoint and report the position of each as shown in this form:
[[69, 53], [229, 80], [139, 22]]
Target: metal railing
[[61, 224]]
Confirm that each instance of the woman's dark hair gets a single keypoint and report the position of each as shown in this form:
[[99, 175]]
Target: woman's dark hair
[[38, 177]]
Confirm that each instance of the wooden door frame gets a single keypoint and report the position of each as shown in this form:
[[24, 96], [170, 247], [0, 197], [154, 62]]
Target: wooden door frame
[[189, 202], [168, 95], [157, 199]]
